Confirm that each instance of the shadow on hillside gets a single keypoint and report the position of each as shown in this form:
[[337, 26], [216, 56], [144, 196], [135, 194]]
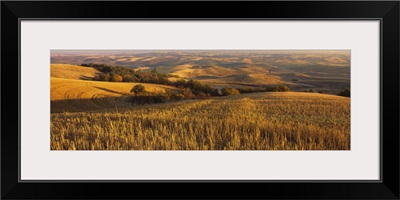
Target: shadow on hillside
[[86, 105], [111, 91], [104, 103], [118, 103], [86, 78]]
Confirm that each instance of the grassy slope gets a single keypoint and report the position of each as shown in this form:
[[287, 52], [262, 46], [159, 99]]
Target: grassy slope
[[267, 121], [215, 71], [72, 94], [216, 75], [62, 89], [79, 95], [72, 71]]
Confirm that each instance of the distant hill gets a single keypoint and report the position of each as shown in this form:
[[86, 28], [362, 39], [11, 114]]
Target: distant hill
[[325, 71]]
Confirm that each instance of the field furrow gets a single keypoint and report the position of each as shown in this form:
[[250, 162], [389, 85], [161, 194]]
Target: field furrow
[[258, 121]]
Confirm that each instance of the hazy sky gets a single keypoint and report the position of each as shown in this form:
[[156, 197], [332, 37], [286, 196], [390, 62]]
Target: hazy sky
[[116, 52]]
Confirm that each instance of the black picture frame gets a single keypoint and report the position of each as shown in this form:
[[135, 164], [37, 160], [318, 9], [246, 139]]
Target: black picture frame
[[386, 11]]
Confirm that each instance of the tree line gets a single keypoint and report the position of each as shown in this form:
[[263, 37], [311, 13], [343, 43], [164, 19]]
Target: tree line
[[111, 73], [189, 89], [124, 74]]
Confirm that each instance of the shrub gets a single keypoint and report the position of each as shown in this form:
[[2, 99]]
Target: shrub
[[202, 95], [128, 78], [230, 91], [105, 77], [116, 78], [97, 78], [154, 71], [138, 89], [345, 92], [246, 90], [187, 93], [283, 88]]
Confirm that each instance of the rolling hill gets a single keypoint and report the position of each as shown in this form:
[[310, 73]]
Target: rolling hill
[[79, 95], [100, 115], [72, 72], [325, 71], [74, 94]]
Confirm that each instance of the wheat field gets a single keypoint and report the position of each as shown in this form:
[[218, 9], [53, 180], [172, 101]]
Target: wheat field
[[72, 71], [257, 121], [82, 95]]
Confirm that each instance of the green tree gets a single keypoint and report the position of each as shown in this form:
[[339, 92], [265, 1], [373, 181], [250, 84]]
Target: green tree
[[116, 78], [202, 95], [97, 78], [105, 77], [187, 93], [128, 78], [230, 91], [138, 89], [281, 88]]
